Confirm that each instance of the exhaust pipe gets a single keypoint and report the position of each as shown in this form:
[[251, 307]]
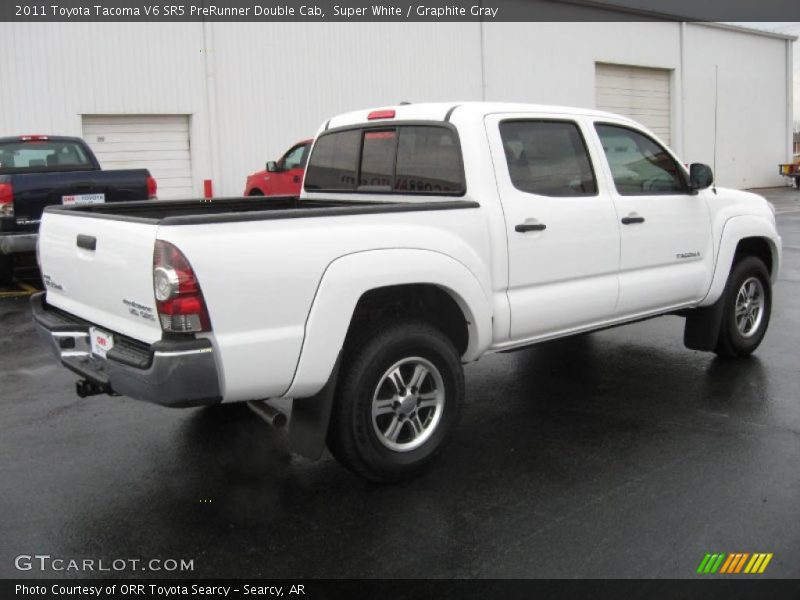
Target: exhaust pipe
[[271, 415]]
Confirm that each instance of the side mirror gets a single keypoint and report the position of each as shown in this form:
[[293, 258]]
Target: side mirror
[[700, 176], [272, 166]]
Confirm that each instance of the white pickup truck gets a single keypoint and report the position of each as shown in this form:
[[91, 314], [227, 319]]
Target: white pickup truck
[[425, 237]]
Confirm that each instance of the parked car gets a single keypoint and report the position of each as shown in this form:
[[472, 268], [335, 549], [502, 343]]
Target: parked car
[[282, 177], [432, 234], [42, 170]]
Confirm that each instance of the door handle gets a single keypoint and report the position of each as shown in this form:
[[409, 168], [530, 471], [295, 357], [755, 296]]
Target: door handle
[[523, 227], [631, 219], [87, 242], [296, 178]]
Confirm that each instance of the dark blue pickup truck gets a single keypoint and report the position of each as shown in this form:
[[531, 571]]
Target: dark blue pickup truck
[[39, 170]]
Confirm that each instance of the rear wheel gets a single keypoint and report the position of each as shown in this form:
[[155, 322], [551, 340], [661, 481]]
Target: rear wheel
[[255, 193], [399, 396], [6, 269], [747, 307]]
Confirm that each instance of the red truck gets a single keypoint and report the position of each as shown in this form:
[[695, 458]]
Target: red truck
[[282, 177]]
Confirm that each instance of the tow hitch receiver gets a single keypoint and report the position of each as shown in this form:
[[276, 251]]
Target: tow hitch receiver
[[85, 388]]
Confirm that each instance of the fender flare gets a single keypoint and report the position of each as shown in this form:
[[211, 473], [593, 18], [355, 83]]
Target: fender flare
[[735, 230], [702, 327], [349, 277]]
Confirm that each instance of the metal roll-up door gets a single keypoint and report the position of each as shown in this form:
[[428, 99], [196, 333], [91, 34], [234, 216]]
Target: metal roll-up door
[[643, 94], [159, 143]]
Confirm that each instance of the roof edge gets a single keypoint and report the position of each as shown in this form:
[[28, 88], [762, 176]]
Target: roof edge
[[741, 29]]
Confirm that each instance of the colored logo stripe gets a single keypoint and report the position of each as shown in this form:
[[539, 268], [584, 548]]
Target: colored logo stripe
[[710, 563], [734, 563]]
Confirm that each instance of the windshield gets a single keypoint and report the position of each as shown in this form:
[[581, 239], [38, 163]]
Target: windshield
[[45, 155]]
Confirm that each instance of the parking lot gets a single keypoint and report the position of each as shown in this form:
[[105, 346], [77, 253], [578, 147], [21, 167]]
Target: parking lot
[[615, 454]]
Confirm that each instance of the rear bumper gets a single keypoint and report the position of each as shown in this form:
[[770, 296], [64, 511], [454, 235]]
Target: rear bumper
[[170, 373], [16, 243]]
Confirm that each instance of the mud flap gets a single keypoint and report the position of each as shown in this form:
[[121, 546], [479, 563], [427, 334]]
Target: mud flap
[[701, 331], [308, 427]]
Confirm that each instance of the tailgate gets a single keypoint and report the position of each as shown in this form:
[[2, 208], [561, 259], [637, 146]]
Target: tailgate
[[111, 285], [34, 191]]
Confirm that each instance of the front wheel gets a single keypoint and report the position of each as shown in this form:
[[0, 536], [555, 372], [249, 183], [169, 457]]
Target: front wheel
[[399, 396], [747, 307]]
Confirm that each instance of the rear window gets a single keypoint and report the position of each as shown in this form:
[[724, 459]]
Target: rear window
[[408, 159], [377, 160], [45, 155], [333, 162], [428, 162]]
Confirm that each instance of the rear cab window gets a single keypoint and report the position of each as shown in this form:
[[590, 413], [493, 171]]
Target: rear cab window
[[20, 156], [333, 162], [412, 158]]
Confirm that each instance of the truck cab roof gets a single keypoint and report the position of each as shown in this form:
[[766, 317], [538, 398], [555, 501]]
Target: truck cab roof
[[445, 111]]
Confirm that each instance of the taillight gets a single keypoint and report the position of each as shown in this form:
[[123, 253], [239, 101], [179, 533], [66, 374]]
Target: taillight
[[180, 303], [152, 188], [6, 200]]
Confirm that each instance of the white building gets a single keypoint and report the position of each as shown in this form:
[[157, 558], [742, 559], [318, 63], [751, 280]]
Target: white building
[[196, 101]]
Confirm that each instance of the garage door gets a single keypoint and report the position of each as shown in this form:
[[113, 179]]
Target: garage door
[[639, 93], [159, 143]]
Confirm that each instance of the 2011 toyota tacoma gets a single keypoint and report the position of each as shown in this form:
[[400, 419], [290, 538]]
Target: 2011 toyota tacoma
[[432, 234]]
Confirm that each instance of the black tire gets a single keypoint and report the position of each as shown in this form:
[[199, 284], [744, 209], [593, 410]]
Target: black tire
[[732, 342], [6, 270], [352, 436], [255, 193]]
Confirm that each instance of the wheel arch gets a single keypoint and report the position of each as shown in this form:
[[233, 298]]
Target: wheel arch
[[441, 307], [760, 247], [358, 282], [744, 236]]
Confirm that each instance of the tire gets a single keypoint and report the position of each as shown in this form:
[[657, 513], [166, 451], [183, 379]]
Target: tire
[[740, 334], [255, 193], [6, 270], [388, 429]]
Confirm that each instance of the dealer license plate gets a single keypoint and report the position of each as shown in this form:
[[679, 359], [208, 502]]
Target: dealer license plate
[[83, 199], [100, 341]]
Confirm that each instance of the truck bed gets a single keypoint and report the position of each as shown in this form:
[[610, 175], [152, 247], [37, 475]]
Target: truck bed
[[222, 210]]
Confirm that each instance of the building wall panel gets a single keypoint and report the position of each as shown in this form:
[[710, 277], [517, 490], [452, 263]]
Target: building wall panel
[[253, 89]]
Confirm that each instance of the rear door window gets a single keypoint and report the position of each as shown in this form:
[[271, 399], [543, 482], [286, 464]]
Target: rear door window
[[548, 158]]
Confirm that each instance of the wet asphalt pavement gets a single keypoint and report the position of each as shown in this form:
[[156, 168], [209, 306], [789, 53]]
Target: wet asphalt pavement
[[615, 454]]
